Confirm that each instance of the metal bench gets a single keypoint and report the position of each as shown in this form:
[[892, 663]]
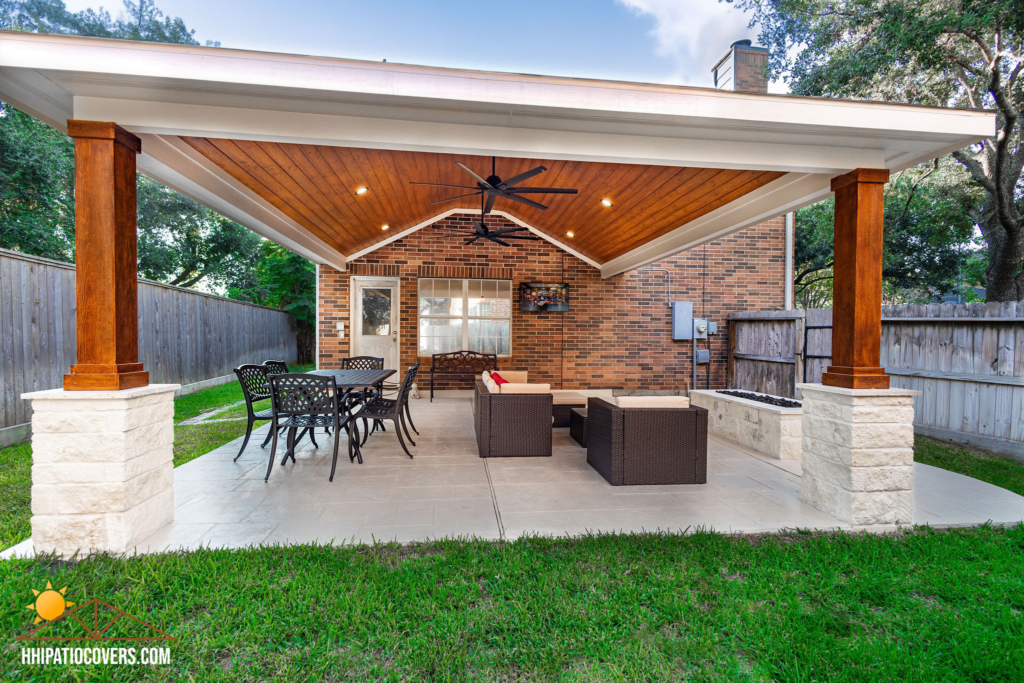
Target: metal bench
[[460, 364]]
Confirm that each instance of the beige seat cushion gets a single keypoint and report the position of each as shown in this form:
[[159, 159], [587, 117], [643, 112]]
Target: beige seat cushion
[[653, 401], [521, 388], [514, 376], [492, 386], [486, 376]]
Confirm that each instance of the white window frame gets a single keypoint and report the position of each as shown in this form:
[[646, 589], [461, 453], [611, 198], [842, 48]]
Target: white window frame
[[466, 317]]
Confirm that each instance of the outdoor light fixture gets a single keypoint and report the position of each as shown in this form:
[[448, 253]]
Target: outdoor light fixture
[[569, 234], [606, 202], [361, 190], [384, 227]]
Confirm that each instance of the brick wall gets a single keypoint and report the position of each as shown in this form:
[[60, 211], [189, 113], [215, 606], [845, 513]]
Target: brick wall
[[617, 333]]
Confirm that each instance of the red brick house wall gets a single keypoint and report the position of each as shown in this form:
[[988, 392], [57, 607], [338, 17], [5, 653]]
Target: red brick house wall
[[617, 333]]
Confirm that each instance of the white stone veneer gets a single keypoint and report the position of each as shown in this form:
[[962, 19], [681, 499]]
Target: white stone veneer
[[765, 428], [858, 453], [102, 468]]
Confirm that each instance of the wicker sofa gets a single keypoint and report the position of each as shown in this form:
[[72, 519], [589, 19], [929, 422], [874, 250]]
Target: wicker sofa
[[510, 425], [647, 445]]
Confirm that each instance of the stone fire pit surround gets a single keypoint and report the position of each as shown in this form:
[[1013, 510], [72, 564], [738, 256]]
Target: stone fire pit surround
[[767, 429]]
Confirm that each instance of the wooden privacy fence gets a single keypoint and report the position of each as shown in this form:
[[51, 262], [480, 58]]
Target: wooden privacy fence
[[966, 359], [184, 336]]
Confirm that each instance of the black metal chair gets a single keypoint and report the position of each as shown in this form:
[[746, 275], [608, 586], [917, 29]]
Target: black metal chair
[[276, 367], [255, 387], [306, 402], [393, 389], [381, 408]]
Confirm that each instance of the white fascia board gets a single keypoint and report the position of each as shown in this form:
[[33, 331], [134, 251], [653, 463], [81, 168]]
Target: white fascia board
[[163, 118], [788, 193], [37, 97], [176, 165], [396, 82], [473, 212]]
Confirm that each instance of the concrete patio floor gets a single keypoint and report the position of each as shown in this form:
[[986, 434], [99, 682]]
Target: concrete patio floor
[[448, 490]]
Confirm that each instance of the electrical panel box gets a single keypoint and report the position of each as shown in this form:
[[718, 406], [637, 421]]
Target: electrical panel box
[[712, 328], [682, 320], [700, 328], [703, 356]]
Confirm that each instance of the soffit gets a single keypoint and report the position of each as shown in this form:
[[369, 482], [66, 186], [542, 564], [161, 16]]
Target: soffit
[[315, 186]]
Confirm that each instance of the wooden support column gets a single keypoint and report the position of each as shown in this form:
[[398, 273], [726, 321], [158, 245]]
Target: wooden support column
[[857, 282], [107, 259]]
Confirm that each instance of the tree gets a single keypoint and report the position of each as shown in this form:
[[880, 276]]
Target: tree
[[959, 53], [140, 21], [182, 242], [927, 241], [287, 281], [37, 183]]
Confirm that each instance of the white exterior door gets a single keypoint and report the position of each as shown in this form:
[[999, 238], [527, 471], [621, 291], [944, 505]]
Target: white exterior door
[[375, 319]]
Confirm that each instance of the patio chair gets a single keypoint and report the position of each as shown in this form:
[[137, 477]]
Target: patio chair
[[382, 408], [253, 379], [387, 388], [365, 363], [276, 367], [306, 402]]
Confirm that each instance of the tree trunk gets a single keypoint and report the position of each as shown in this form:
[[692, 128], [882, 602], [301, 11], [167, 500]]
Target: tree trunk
[[1004, 280]]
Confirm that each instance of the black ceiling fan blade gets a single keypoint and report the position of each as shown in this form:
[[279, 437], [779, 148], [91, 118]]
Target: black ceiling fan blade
[[490, 204], [461, 196], [481, 228], [472, 239], [519, 237], [521, 200], [505, 231], [516, 179], [475, 176], [541, 190], [458, 187], [498, 241]]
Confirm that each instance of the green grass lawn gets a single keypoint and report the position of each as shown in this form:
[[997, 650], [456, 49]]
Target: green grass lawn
[[922, 605], [1003, 472], [15, 494]]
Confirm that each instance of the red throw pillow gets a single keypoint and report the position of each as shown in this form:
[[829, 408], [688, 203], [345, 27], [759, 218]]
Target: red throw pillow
[[498, 379]]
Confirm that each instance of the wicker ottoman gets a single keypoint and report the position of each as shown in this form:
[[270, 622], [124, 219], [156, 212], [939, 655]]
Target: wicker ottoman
[[578, 425]]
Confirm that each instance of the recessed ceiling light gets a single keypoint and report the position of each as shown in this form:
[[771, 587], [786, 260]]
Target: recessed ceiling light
[[569, 234], [361, 190], [606, 202], [384, 227]]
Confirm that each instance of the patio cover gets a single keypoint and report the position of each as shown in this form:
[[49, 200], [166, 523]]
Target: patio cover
[[280, 143]]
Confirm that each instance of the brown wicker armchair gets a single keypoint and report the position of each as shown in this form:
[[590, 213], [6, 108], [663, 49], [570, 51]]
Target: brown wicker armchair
[[632, 446], [511, 425]]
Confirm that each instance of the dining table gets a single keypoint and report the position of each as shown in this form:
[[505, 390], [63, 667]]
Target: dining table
[[348, 381]]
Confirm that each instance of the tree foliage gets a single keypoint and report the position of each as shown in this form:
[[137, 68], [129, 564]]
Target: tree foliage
[[286, 281], [37, 183], [958, 53], [139, 21], [927, 247]]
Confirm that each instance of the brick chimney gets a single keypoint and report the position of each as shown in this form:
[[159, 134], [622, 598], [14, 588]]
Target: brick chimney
[[742, 68]]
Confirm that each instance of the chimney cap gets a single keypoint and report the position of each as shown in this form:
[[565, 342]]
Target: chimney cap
[[746, 42]]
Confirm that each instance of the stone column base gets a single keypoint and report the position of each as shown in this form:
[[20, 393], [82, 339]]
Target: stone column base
[[858, 453], [102, 468]]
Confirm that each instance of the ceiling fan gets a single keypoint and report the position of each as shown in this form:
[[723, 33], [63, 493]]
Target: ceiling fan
[[494, 187], [481, 231]]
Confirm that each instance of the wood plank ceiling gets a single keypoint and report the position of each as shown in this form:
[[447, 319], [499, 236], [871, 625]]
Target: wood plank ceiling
[[315, 185]]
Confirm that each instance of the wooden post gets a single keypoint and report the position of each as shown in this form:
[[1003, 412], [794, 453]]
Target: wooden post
[[857, 282], [106, 258]]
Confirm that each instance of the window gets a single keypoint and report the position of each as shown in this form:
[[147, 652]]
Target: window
[[465, 315]]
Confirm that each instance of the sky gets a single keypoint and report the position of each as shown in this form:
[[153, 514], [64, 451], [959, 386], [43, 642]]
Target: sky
[[655, 41]]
